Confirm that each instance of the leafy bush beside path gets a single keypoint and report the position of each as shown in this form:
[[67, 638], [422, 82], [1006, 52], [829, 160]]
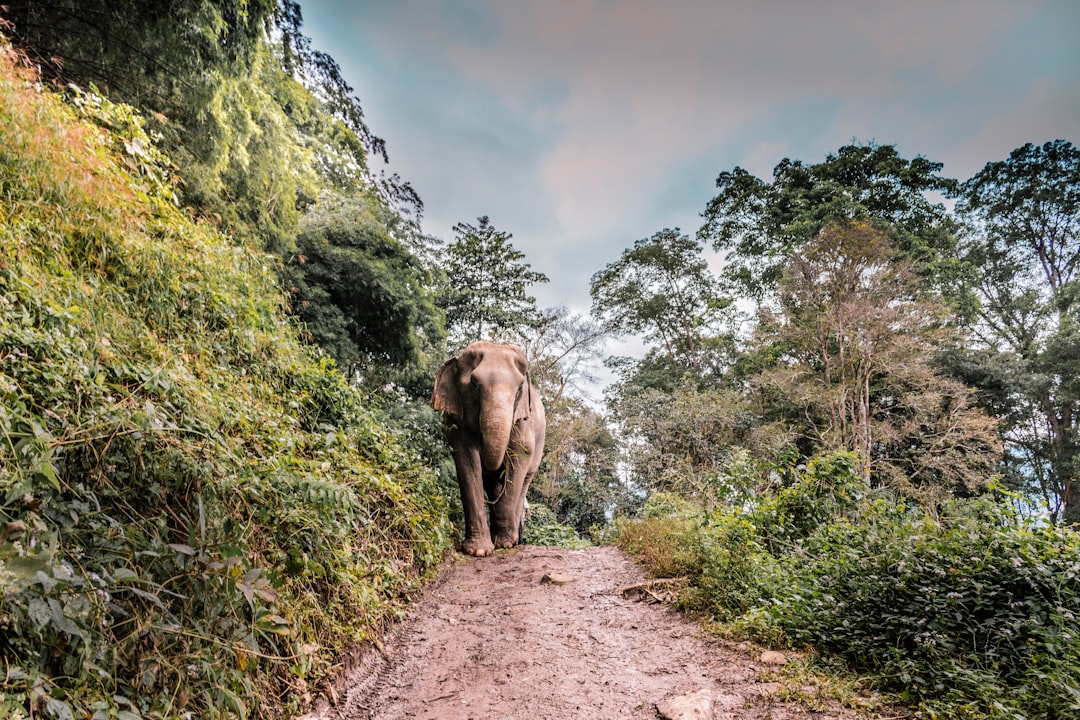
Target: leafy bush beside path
[[968, 613]]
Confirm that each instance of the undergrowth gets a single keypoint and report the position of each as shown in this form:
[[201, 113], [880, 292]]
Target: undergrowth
[[542, 527], [969, 611], [197, 515]]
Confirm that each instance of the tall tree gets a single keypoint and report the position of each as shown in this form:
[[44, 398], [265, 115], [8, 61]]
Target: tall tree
[[255, 119], [363, 296], [758, 224], [578, 481], [564, 352], [852, 367], [487, 280], [1026, 245], [662, 289], [680, 439]]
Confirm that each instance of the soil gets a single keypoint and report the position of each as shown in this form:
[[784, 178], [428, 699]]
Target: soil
[[541, 633]]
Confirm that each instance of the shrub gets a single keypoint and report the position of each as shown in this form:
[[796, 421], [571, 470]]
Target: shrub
[[197, 515], [543, 528], [970, 612]]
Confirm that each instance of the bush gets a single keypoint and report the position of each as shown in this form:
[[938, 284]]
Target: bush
[[543, 528], [734, 570], [967, 613], [970, 614], [197, 515], [668, 505]]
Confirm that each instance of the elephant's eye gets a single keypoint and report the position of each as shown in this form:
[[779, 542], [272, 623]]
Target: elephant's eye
[[474, 383]]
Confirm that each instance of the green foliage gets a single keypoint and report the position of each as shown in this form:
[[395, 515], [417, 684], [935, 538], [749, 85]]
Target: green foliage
[[847, 362], [262, 129], [362, 295], [683, 439], [662, 288], [971, 613], [1025, 244], [759, 224], [485, 297], [579, 477], [661, 505], [543, 528], [197, 515]]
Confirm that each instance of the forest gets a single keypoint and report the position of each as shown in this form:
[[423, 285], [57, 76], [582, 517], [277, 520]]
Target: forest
[[220, 318]]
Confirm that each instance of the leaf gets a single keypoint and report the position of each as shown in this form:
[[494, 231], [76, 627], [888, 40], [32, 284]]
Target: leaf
[[233, 701], [17, 673], [182, 549], [61, 621], [38, 611], [59, 709], [274, 624], [148, 596]]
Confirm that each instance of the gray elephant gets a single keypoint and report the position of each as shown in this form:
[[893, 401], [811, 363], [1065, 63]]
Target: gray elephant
[[495, 424]]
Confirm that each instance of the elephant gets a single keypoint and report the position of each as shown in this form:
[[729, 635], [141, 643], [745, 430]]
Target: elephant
[[495, 424]]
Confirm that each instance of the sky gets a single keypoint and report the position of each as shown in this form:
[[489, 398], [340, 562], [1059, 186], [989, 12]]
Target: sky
[[582, 126]]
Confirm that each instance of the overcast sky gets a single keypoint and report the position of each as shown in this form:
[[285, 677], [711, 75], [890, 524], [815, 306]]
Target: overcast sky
[[581, 126]]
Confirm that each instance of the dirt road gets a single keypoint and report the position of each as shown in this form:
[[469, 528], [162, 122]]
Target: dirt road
[[540, 633]]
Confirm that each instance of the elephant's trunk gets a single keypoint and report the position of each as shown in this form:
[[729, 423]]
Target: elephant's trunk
[[496, 422]]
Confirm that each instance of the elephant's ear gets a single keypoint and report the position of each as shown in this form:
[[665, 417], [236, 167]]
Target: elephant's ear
[[524, 406], [446, 396]]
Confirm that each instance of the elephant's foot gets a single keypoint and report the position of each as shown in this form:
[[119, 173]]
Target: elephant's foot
[[478, 547], [506, 539]]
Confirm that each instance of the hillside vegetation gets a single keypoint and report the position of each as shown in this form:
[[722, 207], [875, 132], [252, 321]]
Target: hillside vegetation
[[198, 512]]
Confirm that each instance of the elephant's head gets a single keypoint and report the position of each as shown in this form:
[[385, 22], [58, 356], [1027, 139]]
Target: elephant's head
[[486, 390]]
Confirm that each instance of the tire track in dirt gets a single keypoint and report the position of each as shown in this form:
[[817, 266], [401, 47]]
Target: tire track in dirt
[[491, 639]]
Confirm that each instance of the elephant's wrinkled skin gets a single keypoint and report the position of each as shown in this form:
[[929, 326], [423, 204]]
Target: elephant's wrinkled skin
[[495, 423]]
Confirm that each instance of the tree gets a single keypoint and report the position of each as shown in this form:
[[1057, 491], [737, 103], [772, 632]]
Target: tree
[[851, 367], [485, 296], [579, 480], [563, 351], [681, 440], [256, 121], [662, 288], [362, 296], [760, 224], [1026, 245]]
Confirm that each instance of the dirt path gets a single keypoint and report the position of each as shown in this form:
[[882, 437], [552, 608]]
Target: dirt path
[[494, 639]]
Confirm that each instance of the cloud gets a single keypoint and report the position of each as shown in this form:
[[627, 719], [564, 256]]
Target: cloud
[[583, 126]]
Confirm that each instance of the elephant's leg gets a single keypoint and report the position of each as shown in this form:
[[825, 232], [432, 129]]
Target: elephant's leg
[[507, 512], [524, 507], [470, 481]]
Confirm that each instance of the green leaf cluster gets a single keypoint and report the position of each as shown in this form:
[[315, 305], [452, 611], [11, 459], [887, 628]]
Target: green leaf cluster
[[269, 144], [542, 527], [197, 513], [967, 613], [486, 292], [972, 614]]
